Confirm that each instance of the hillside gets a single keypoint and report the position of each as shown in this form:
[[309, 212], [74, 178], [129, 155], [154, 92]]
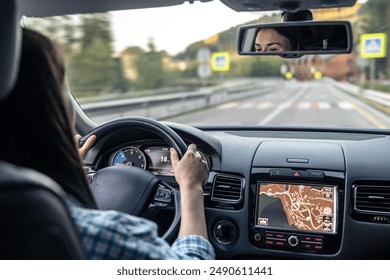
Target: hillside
[[226, 40]]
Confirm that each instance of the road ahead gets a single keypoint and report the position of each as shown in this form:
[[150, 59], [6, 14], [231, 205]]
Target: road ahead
[[315, 103]]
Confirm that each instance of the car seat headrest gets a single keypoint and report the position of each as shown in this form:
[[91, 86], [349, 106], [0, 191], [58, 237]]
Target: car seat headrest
[[9, 46]]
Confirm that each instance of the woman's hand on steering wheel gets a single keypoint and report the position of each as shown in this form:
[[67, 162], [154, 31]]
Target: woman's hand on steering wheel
[[83, 150]]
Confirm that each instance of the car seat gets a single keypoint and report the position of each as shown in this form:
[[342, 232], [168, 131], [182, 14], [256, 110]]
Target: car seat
[[34, 219]]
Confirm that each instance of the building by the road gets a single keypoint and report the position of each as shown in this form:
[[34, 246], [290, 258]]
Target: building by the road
[[339, 67]]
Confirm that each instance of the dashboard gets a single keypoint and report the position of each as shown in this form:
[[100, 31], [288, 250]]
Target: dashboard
[[278, 194]]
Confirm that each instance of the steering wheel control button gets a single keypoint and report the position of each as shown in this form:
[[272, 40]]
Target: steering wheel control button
[[160, 204], [225, 232], [293, 240], [163, 195]]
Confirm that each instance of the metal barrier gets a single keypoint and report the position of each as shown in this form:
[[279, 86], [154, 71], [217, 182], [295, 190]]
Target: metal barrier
[[375, 98], [168, 105]]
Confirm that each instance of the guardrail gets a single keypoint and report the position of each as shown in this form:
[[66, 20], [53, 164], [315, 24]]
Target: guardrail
[[375, 98], [168, 105]]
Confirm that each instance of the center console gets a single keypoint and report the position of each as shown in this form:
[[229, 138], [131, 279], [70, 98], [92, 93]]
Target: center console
[[296, 203]]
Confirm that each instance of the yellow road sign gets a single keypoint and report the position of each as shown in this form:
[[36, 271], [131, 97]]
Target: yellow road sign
[[373, 45], [220, 61]]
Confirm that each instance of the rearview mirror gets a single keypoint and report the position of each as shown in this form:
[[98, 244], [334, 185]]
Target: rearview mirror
[[294, 39]]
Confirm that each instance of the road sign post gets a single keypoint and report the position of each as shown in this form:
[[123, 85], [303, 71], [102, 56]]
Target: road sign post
[[204, 70], [220, 61], [373, 46]]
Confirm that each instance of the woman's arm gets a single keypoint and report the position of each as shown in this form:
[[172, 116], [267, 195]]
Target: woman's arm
[[191, 172]]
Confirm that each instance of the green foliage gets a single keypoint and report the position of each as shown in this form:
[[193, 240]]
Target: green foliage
[[92, 70], [86, 42], [120, 83], [377, 20], [150, 68], [377, 11], [265, 67], [377, 86]]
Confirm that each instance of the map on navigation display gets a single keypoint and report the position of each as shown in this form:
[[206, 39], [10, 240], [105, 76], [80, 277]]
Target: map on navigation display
[[297, 206]]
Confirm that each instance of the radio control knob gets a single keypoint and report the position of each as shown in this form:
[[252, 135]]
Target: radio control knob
[[293, 240]]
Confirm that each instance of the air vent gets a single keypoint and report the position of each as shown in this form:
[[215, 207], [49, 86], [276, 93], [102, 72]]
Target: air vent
[[227, 188], [372, 199]]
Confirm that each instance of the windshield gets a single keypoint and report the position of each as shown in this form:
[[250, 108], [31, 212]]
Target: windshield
[[181, 64]]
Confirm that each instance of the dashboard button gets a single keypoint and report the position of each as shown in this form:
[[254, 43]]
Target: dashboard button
[[277, 173], [308, 238], [280, 243], [280, 235], [296, 174], [257, 237], [318, 239], [316, 174]]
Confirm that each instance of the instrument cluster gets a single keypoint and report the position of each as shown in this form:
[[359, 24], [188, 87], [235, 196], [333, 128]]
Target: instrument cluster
[[156, 159]]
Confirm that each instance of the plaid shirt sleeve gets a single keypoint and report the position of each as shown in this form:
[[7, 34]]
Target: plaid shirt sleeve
[[115, 235]]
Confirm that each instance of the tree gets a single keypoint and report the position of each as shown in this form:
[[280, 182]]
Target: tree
[[150, 68], [377, 20], [94, 69], [86, 42], [265, 67], [61, 29]]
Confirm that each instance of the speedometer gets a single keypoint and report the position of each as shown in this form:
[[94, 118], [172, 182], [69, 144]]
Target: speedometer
[[129, 156]]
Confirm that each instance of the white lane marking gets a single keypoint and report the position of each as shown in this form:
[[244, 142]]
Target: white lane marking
[[304, 105], [228, 105], [323, 105], [298, 105], [345, 105], [246, 105], [283, 106], [265, 105]]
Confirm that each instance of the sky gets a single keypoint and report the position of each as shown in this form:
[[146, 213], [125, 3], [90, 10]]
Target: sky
[[174, 28]]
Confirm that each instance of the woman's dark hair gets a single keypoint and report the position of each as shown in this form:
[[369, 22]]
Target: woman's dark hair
[[292, 34], [36, 121]]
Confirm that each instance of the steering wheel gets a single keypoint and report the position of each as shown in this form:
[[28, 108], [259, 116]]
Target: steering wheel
[[132, 190]]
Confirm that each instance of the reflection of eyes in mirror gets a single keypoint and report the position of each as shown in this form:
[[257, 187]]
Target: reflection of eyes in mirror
[[294, 39], [271, 40]]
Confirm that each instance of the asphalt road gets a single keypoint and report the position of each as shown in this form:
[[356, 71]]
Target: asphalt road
[[315, 103]]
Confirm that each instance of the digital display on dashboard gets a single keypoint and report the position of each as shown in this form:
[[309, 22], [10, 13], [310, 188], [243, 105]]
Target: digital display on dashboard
[[297, 207], [159, 160]]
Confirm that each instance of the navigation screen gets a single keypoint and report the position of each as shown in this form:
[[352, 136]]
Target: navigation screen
[[299, 207]]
